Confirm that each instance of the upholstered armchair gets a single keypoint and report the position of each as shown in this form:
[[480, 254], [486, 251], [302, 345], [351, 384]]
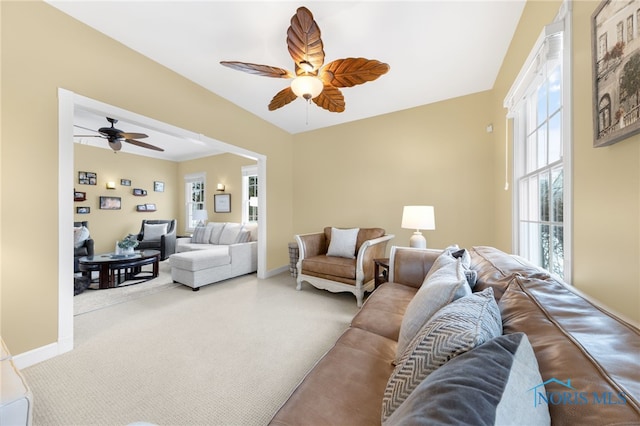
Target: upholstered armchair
[[158, 235], [82, 247], [346, 265]]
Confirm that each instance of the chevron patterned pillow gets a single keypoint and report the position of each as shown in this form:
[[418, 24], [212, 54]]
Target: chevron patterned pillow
[[455, 329]]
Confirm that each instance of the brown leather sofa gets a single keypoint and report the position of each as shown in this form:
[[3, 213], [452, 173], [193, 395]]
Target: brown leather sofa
[[573, 338]]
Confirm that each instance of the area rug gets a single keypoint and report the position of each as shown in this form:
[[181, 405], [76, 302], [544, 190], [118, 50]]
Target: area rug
[[93, 298]]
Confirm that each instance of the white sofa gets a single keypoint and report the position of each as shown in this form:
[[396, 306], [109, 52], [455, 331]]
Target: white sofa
[[16, 400], [215, 252]]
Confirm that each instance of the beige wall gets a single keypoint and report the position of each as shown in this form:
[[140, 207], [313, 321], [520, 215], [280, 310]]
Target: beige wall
[[225, 169], [606, 185], [363, 173], [43, 50], [109, 226]]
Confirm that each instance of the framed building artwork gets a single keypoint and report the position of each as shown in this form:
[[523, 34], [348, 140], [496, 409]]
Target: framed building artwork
[[110, 203], [615, 41]]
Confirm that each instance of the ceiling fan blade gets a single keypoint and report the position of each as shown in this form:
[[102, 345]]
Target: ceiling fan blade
[[144, 145], [282, 98], [127, 135], [330, 99], [257, 69], [115, 145], [352, 71], [88, 136], [304, 42]]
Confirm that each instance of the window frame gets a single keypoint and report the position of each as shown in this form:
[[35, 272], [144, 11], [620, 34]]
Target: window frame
[[515, 102], [249, 213], [189, 180]]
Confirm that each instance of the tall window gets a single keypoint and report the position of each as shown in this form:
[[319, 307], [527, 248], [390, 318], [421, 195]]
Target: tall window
[[539, 103], [250, 194], [194, 193]]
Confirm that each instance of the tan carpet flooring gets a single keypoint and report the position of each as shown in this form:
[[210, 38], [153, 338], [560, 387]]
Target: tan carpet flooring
[[229, 354]]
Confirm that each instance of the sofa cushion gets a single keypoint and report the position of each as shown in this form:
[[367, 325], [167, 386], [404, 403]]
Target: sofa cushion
[[153, 231], [330, 266], [358, 366], [229, 233], [487, 385], [216, 232], [445, 282], [384, 309], [599, 352], [198, 236], [343, 243], [80, 235], [252, 227], [201, 259], [363, 235], [455, 329]]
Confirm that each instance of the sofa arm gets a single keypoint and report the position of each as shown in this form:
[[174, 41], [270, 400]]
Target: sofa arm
[[311, 245], [410, 266], [369, 250]]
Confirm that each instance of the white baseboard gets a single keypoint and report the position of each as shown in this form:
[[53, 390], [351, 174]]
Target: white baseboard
[[277, 271], [43, 353]]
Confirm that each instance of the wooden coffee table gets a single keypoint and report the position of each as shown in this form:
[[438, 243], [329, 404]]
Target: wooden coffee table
[[114, 269]]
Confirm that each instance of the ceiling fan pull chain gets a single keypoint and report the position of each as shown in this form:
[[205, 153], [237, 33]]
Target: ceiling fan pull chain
[[307, 120]]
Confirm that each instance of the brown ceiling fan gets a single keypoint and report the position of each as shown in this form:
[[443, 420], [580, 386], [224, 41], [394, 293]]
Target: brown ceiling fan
[[117, 136], [311, 79]]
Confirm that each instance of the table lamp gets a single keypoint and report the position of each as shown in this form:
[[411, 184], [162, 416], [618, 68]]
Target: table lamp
[[418, 217], [201, 216]]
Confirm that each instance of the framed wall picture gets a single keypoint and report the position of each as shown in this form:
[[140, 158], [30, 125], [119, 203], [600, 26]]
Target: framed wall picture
[[141, 207], [79, 196], [125, 182], [222, 203], [139, 192], [110, 203], [615, 51], [150, 207], [158, 186], [87, 178], [83, 210]]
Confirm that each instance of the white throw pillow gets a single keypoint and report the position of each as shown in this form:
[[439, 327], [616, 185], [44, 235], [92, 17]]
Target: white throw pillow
[[216, 231], [230, 233], [343, 242], [153, 231], [80, 235]]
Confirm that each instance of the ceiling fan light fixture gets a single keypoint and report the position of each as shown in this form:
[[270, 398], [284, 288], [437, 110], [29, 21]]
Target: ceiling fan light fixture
[[307, 86]]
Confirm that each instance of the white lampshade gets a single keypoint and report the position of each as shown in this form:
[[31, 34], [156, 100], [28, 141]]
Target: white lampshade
[[307, 86], [418, 217], [200, 215]]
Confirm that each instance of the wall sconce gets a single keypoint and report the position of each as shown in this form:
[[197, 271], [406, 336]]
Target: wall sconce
[[111, 185], [418, 217], [220, 187]]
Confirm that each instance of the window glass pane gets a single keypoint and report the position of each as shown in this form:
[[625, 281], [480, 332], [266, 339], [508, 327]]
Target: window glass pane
[[557, 199], [542, 147], [557, 259], [555, 138], [524, 196], [535, 252], [531, 153], [533, 198], [544, 246], [555, 89], [541, 111], [543, 194]]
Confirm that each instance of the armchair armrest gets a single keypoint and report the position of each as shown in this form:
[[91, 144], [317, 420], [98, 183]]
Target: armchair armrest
[[89, 245], [310, 245], [369, 250]]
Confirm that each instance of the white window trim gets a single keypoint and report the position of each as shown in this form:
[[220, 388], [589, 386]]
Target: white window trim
[[515, 96], [246, 172], [193, 177]]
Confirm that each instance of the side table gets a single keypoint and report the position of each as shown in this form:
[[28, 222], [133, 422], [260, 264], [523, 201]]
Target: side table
[[381, 276]]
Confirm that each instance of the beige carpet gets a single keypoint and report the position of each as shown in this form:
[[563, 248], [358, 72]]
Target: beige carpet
[[229, 354], [94, 298]]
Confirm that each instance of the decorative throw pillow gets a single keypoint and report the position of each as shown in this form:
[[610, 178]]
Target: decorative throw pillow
[[198, 235], [252, 227], [455, 329], [229, 233], [243, 237], [486, 385], [153, 231], [445, 284], [80, 235], [216, 231], [343, 242]]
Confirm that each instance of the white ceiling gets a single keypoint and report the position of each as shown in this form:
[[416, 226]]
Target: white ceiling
[[437, 50]]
